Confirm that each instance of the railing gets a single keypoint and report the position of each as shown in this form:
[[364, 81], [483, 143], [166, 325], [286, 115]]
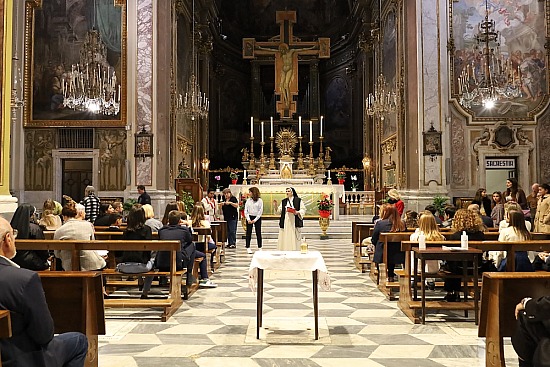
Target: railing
[[357, 202]]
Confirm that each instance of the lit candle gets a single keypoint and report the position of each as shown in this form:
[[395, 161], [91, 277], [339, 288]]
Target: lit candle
[[244, 174], [310, 130], [329, 174], [262, 131], [299, 125], [271, 127], [251, 126], [321, 127]]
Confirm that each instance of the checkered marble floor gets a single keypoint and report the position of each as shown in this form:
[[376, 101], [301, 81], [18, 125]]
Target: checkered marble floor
[[358, 326]]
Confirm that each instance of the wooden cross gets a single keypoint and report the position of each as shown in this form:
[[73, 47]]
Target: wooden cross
[[286, 48]]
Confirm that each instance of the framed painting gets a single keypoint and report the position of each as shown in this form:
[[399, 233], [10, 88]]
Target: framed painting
[[75, 64], [521, 57]]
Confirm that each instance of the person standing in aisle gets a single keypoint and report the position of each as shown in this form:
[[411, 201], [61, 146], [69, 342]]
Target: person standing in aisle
[[253, 210], [292, 211], [230, 215], [144, 197]]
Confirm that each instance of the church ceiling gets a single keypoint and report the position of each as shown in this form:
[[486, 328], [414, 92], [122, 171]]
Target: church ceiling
[[256, 18]]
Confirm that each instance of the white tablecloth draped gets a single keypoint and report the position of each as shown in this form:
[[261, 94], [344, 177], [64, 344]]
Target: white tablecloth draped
[[288, 260]]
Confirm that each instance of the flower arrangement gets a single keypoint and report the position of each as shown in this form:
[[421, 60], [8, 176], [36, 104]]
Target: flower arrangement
[[341, 175], [242, 202], [354, 184], [217, 178], [234, 175], [325, 203]]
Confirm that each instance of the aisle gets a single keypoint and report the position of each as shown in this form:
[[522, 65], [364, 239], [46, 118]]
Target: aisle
[[216, 326]]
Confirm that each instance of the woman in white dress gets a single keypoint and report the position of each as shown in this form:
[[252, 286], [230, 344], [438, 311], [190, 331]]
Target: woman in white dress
[[292, 211]]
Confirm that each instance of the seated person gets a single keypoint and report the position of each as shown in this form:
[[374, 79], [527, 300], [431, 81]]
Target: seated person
[[487, 221], [115, 221], [510, 206], [32, 342], [433, 210], [449, 214], [531, 339], [102, 219], [176, 229]]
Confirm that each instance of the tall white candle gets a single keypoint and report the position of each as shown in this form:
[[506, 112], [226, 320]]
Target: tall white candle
[[329, 174], [251, 126], [299, 125], [271, 127], [262, 131], [310, 130], [244, 174], [321, 127]]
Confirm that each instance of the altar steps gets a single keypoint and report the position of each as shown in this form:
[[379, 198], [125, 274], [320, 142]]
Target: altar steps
[[340, 229]]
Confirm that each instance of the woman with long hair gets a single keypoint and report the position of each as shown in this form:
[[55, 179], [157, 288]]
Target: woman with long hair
[[50, 221], [542, 216], [253, 210], [429, 228], [483, 201], [497, 213], [198, 220], [469, 222], [390, 221], [23, 221], [291, 221], [515, 193], [135, 262], [516, 231]]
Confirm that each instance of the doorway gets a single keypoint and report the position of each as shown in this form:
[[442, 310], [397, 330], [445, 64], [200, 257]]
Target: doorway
[[497, 171], [76, 175]]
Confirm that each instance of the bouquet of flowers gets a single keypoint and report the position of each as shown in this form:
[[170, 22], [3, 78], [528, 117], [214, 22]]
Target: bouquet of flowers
[[325, 203], [234, 175], [354, 184], [242, 202], [341, 175]]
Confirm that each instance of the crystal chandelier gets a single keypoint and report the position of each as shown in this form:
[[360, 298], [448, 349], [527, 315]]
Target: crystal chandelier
[[91, 85], [491, 77], [193, 102], [382, 101]]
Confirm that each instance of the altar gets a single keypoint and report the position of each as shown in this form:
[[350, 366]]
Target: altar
[[273, 194]]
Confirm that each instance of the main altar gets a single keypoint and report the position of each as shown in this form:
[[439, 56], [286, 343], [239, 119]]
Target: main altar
[[272, 195]]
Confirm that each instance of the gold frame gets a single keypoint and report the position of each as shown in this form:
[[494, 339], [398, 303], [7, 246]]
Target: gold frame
[[28, 121]]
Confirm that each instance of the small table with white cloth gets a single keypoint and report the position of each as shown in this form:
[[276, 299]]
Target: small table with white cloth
[[287, 260]]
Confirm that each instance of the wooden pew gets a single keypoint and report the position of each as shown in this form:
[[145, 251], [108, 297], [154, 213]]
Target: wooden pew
[[5, 327], [169, 305], [75, 300], [500, 294], [360, 231], [389, 289], [410, 307], [221, 232]]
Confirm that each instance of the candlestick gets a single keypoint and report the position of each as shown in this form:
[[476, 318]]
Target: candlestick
[[271, 154], [300, 126], [271, 127], [321, 127], [300, 154], [310, 131], [262, 131], [251, 126]]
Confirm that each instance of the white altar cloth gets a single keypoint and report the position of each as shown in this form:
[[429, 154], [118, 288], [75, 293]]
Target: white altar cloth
[[288, 260]]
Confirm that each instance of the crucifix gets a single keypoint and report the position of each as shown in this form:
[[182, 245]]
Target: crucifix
[[286, 48]]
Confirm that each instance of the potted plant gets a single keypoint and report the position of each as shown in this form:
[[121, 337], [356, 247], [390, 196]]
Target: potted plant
[[325, 206], [188, 201], [354, 184], [234, 177], [439, 204], [217, 178], [341, 176]]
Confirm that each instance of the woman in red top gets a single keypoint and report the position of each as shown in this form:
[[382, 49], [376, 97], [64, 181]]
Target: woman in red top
[[395, 200]]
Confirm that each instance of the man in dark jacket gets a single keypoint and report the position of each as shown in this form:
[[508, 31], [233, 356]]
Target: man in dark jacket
[[177, 230], [144, 197], [531, 340], [32, 342]]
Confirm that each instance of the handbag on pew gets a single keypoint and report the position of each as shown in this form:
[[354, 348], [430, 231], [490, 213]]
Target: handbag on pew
[[134, 268]]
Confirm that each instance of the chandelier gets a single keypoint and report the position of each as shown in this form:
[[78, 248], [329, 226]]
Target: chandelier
[[382, 101], [489, 77], [91, 85], [193, 102]]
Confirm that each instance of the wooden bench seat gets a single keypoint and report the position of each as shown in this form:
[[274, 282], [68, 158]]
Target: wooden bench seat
[[75, 246], [500, 294]]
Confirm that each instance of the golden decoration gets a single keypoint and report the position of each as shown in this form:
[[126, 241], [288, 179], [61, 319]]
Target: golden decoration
[[286, 141]]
